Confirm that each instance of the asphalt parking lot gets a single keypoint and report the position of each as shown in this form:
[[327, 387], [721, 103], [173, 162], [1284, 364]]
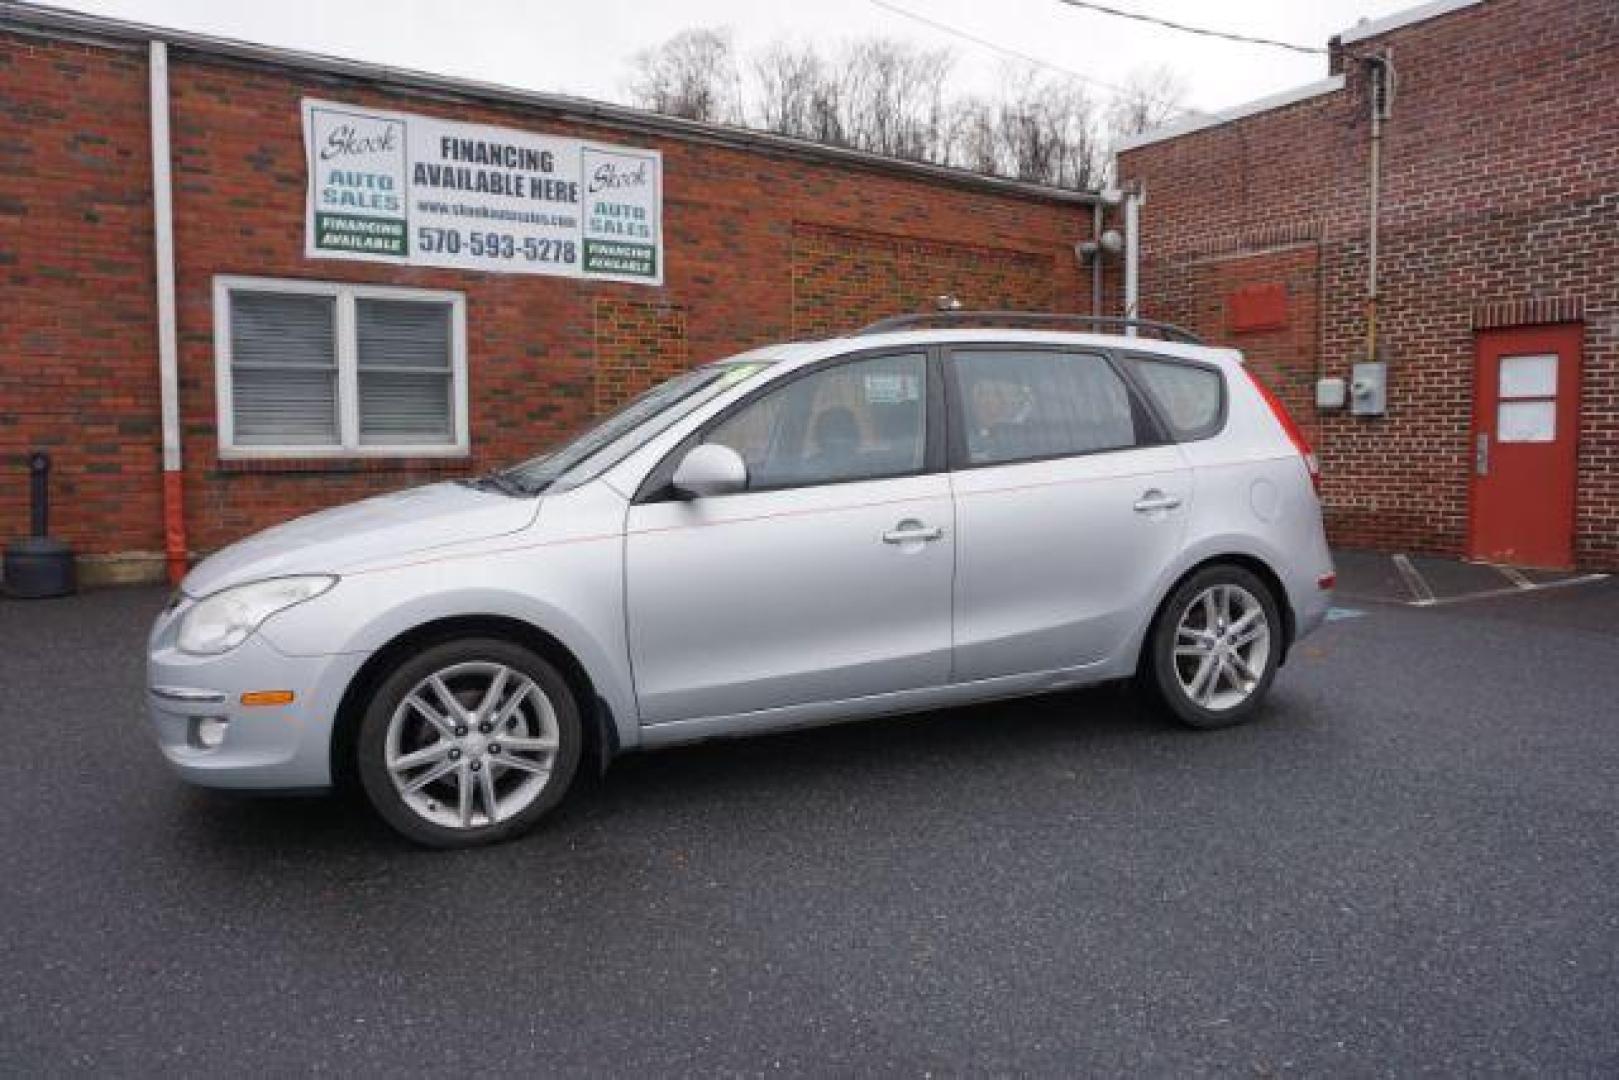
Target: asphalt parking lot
[[1410, 863]]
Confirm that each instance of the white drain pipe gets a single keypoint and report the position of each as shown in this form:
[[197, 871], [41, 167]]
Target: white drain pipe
[[168, 360], [1132, 258]]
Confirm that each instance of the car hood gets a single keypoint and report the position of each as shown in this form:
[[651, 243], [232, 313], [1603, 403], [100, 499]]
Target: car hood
[[345, 537]]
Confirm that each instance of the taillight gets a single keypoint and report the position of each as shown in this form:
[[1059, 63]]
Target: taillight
[[1294, 433]]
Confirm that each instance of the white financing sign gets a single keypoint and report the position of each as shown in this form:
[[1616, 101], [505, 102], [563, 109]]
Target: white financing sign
[[397, 188]]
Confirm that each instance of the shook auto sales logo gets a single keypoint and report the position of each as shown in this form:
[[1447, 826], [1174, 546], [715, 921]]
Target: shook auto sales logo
[[347, 140], [359, 183], [621, 213], [614, 176]]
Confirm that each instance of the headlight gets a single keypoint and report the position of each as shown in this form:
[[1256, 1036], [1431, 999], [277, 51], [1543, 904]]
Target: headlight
[[219, 623]]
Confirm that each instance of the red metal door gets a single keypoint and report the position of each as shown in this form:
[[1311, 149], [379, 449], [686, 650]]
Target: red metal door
[[1526, 418]]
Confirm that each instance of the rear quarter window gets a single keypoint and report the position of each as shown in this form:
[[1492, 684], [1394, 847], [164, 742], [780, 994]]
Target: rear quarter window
[[1190, 397]]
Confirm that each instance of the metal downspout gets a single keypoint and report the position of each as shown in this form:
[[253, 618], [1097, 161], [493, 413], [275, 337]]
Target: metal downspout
[[174, 527], [1096, 259], [1380, 76], [1132, 258]]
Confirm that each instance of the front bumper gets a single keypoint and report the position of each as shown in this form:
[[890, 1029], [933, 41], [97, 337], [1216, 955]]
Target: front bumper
[[263, 747]]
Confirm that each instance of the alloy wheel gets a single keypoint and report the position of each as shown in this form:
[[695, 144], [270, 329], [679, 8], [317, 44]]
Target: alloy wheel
[[472, 745], [1222, 647]]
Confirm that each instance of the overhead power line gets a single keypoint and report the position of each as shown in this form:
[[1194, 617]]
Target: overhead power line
[[1183, 28], [1015, 54]]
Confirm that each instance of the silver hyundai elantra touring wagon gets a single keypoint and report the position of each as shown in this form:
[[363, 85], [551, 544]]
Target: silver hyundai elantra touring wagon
[[907, 518]]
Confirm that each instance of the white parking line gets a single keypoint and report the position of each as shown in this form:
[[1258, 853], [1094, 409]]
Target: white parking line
[[1583, 579], [1512, 574], [1422, 595]]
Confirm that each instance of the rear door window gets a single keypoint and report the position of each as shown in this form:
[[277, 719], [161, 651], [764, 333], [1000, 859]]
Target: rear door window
[[1190, 397], [1033, 404]]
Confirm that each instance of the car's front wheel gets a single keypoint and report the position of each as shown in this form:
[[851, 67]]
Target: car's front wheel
[[1215, 647], [469, 742]]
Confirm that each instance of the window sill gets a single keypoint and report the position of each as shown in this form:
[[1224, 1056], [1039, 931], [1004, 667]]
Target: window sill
[[346, 464]]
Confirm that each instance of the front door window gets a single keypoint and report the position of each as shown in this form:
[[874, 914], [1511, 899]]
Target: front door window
[[864, 420]]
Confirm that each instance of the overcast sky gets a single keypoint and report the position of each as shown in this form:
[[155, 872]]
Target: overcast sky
[[586, 48]]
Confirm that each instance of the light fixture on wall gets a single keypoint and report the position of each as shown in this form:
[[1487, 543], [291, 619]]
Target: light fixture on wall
[[1111, 245]]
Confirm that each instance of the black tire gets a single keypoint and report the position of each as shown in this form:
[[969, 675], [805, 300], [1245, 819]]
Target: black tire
[[1162, 680], [371, 746]]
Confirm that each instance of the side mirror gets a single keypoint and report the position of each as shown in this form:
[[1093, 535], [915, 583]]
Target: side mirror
[[710, 469]]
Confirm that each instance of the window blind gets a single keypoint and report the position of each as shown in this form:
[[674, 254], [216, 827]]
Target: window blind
[[283, 369], [405, 372]]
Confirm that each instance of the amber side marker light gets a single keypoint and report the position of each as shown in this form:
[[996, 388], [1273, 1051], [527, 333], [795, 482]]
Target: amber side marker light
[[1326, 581], [268, 697]]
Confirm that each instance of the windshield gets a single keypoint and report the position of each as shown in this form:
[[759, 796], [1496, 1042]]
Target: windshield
[[609, 440]]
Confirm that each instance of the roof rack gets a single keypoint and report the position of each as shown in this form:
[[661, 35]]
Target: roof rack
[[975, 319]]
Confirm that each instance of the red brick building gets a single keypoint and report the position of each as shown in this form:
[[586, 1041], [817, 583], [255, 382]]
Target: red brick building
[[764, 239], [1497, 287], [1497, 282]]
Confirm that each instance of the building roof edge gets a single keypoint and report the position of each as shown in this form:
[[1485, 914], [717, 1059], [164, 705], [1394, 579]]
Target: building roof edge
[[1370, 28], [1331, 84]]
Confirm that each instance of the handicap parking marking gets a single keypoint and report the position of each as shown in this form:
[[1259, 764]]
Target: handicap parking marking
[[1338, 614]]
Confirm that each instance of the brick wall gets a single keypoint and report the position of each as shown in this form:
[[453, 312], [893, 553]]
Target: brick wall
[[844, 278], [78, 374], [760, 246], [1500, 191], [639, 343]]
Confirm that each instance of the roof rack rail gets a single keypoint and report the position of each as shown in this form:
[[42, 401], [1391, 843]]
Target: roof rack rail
[[975, 319]]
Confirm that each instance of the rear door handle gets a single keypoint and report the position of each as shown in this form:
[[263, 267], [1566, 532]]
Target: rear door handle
[[1156, 500], [911, 532]]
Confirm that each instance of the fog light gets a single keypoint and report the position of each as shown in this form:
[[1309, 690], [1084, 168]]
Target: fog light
[[207, 732]]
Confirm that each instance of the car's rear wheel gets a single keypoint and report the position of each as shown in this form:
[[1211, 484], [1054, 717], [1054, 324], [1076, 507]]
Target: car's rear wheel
[[469, 742], [1215, 648]]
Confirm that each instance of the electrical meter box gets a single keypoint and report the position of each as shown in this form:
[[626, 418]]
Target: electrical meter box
[[1368, 389]]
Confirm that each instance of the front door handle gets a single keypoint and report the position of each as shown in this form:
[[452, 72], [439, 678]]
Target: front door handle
[[1153, 499], [911, 531]]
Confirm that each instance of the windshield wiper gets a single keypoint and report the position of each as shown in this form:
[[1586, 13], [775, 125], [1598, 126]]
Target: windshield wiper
[[503, 483]]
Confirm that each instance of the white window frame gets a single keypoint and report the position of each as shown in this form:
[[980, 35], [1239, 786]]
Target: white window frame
[[348, 379]]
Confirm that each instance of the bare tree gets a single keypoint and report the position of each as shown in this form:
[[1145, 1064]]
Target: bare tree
[[796, 94], [693, 75], [876, 94], [1041, 129], [974, 139], [893, 102], [892, 97], [1149, 99]]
